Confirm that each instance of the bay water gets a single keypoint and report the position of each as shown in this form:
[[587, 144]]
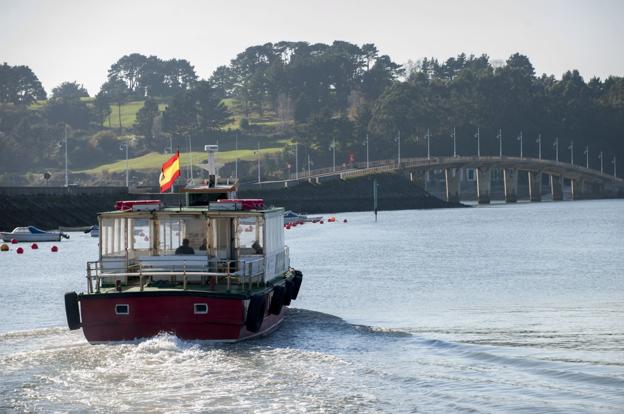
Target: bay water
[[504, 308]]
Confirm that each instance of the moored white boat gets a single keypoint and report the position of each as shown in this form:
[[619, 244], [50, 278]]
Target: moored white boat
[[31, 234], [292, 217]]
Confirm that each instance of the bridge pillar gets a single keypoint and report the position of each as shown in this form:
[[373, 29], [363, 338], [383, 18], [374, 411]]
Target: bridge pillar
[[484, 181], [580, 189], [556, 187], [535, 185], [451, 177], [510, 177]]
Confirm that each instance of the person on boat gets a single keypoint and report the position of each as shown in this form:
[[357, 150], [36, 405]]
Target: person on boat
[[256, 246], [203, 246], [185, 248]]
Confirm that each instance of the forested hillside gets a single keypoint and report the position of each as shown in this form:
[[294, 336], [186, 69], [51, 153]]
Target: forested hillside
[[316, 95]]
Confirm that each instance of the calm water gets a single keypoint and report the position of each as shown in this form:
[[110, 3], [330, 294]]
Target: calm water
[[498, 309]]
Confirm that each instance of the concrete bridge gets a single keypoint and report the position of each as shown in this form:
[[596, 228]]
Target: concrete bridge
[[584, 182]]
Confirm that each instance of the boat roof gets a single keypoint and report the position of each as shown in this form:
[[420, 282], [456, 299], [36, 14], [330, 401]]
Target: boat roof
[[194, 210]]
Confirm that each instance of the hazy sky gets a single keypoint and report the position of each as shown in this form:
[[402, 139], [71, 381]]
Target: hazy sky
[[79, 39]]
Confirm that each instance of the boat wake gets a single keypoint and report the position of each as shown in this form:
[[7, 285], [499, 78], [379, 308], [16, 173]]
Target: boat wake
[[314, 362]]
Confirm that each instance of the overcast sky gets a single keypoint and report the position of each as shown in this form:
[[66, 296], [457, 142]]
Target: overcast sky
[[79, 39]]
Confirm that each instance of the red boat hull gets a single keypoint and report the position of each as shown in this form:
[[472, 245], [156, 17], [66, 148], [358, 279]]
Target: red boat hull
[[172, 312]]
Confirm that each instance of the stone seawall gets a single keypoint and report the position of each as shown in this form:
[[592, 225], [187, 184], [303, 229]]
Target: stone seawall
[[52, 207], [395, 193]]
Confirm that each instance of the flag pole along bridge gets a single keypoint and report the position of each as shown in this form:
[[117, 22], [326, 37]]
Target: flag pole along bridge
[[585, 183]]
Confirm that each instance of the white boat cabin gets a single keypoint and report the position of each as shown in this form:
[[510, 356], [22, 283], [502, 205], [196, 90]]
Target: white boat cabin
[[186, 246]]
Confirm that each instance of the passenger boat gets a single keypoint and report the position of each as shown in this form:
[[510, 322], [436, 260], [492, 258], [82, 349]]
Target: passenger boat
[[192, 271], [31, 234]]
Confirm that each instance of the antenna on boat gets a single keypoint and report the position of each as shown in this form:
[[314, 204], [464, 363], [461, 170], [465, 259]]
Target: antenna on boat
[[212, 165]]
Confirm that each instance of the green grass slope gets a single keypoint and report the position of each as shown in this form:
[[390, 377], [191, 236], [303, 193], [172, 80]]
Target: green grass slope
[[154, 160]]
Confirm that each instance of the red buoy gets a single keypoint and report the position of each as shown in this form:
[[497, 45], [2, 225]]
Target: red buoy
[[34, 246], [13, 241], [321, 222], [54, 249], [20, 250]]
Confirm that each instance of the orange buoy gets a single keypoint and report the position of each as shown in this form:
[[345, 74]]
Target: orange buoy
[[20, 250], [13, 241], [34, 246], [54, 249], [4, 247]]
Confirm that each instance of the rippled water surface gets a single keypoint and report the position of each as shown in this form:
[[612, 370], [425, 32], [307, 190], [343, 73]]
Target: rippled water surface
[[499, 309]]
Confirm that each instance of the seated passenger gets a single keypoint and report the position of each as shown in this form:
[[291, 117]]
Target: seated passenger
[[203, 246], [257, 248], [185, 248]]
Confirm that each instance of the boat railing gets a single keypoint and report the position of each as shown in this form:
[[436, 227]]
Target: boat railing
[[209, 272]]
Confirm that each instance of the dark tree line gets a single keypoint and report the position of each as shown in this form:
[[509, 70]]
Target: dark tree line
[[321, 94], [467, 93], [151, 76], [299, 80]]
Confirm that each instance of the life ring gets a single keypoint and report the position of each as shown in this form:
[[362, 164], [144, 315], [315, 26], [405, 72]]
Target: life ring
[[72, 311], [255, 313], [277, 302]]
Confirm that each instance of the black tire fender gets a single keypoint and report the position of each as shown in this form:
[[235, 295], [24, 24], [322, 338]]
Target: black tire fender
[[72, 311], [297, 283], [288, 290], [255, 313], [277, 302]]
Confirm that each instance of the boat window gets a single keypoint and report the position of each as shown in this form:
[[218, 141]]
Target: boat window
[[250, 231], [139, 236], [122, 309], [200, 308], [172, 231], [113, 233]]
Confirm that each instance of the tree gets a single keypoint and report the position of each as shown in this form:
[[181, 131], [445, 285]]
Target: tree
[[69, 90], [145, 121], [19, 85], [102, 108], [70, 111], [221, 79], [198, 111], [117, 92], [128, 70]]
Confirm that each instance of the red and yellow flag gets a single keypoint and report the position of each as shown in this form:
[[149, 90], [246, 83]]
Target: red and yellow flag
[[169, 172]]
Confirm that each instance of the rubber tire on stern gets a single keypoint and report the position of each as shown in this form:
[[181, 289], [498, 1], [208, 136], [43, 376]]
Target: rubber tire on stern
[[297, 283], [72, 311], [288, 290], [255, 313], [277, 302]]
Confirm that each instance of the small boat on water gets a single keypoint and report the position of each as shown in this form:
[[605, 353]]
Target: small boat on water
[[32, 234], [192, 273], [94, 231], [292, 217]]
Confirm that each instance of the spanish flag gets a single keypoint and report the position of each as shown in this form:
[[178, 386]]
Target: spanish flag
[[169, 172]]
